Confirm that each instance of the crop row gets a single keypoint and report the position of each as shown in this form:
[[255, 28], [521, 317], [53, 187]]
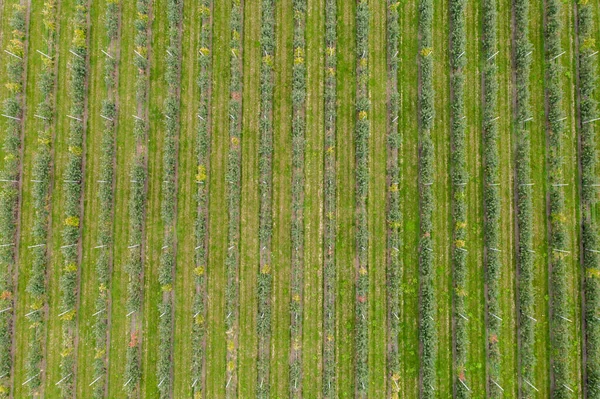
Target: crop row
[[491, 195], [560, 331], [427, 325], [41, 193], [233, 179], [106, 201], [362, 131], [329, 202], [9, 191], [297, 227], [201, 225], [394, 216], [524, 204], [460, 177], [588, 76], [137, 201], [265, 164], [73, 203], [166, 268]]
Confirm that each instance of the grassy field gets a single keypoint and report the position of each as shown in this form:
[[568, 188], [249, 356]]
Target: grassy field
[[238, 255]]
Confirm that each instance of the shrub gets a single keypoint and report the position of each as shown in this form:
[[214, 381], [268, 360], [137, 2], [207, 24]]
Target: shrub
[[10, 191], [41, 190], [265, 149], [459, 201], [137, 200], [201, 225], [329, 182], [588, 74], [73, 191], [427, 324], [297, 227]]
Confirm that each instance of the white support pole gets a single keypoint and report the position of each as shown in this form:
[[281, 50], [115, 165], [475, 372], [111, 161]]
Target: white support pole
[[8, 181], [495, 249], [6, 245], [98, 312], [11, 117], [463, 316], [226, 386], [496, 316], [564, 318], [68, 246], [561, 250], [556, 56], [33, 311], [493, 55], [74, 117], [62, 379], [107, 118], [532, 318], [75, 54], [161, 382], [128, 381], [564, 385], [139, 55], [99, 246], [496, 384], [65, 312], [13, 54], [137, 117], [531, 385], [106, 54], [130, 313], [464, 385], [589, 121], [594, 53], [36, 246], [5, 310], [95, 381], [29, 379], [461, 249], [44, 54], [194, 383], [40, 117], [593, 250], [133, 246]]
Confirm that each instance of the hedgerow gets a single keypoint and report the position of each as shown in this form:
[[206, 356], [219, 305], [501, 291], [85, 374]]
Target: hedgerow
[[41, 195], [106, 200], [201, 225], [134, 266], [9, 189], [329, 201], [560, 331], [361, 137], [73, 205], [427, 308], [588, 75], [524, 204], [233, 178], [460, 177], [265, 165], [394, 216], [166, 268], [491, 196], [297, 227]]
